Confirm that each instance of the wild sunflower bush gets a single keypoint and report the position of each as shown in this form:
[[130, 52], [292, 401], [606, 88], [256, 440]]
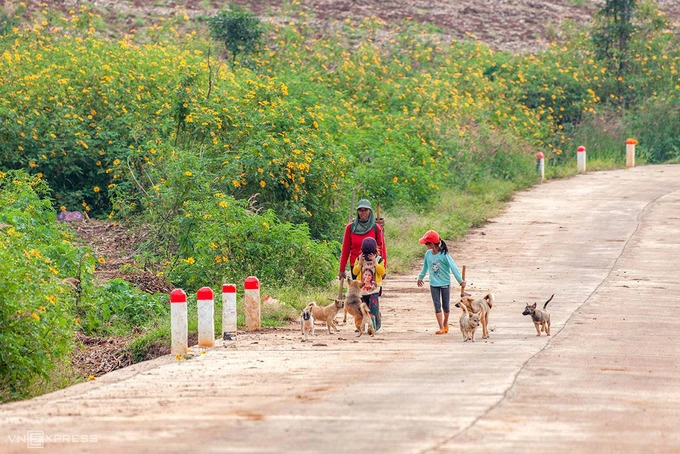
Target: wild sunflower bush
[[36, 320]]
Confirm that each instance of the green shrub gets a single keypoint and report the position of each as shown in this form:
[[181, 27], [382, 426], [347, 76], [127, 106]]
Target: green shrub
[[240, 30], [36, 324], [117, 307]]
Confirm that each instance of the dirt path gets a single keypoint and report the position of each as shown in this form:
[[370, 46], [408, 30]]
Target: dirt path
[[607, 244]]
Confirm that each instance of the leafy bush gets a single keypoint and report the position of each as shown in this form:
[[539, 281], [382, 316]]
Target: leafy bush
[[36, 325], [240, 30], [117, 305]]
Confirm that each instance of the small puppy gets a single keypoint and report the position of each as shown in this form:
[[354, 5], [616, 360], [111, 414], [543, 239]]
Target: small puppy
[[481, 307], [540, 317], [353, 303], [307, 322], [469, 321], [326, 313], [366, 321]]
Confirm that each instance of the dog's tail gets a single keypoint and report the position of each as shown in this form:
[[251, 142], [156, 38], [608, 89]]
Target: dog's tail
[[465, 309], [549, 300], [490, 299]]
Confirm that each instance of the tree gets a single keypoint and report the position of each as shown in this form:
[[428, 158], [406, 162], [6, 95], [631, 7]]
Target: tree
[[240, 30], [612, 37]]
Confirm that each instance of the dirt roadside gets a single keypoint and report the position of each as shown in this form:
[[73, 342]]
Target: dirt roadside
[[604, 381], [511, 25]]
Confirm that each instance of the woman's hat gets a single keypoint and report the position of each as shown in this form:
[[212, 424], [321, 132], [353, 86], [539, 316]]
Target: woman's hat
[[430, 237], [363, 203]]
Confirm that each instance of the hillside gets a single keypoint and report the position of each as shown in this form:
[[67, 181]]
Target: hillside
[[518, 25]]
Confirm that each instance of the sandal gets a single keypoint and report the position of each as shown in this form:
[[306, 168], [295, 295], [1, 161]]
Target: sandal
[[441, 331], [446, 329]]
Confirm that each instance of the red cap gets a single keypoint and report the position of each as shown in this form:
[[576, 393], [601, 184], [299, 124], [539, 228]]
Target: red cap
[[178, 296], [205, 294], [581, 149], [430, 237], [228, 288], [251, 283], [540, 155]]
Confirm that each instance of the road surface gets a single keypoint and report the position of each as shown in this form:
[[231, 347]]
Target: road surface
[[607, 244]]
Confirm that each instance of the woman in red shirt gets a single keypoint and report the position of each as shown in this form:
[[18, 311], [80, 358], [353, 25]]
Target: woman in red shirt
[[363, 226]]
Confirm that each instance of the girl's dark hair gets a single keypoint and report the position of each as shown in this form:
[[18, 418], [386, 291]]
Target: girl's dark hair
[[442, 247], [369, 246]]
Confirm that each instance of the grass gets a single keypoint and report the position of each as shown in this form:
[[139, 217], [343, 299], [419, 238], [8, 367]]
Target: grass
[[452, 216]]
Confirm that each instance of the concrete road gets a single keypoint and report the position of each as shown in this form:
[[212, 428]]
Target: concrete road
[[607, 244]]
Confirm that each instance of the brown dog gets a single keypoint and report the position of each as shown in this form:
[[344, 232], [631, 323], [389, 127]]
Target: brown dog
[[366, 321], [540, 317], [353, 303], [482, 307], [326, 313], [468, 324]]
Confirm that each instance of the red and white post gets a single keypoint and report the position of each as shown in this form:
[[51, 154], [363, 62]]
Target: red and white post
[[630, 152], [252, 303], [540, 165], [205, 300], [581, 158], [179, 323], [229, 312]]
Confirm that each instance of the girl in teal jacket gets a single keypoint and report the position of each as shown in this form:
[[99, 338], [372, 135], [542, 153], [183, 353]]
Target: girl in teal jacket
[[439, 264]]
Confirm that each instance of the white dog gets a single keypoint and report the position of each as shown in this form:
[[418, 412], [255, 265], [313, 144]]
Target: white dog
[[307, 322]]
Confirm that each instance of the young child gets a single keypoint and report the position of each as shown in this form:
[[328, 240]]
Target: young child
[[369, 268], [440, 265]]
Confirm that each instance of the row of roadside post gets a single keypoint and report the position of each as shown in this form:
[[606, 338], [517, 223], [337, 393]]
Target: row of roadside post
[[581, 158], [205, 302]]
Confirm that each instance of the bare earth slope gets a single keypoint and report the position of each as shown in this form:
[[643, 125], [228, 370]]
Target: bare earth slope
[[607, 244], [515, 25]]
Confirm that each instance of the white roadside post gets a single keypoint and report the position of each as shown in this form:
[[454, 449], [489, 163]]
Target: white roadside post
[[205, 300], [252, 303], [581, 158], [630, 152], [540, 165], [179, 323], [229, 312]]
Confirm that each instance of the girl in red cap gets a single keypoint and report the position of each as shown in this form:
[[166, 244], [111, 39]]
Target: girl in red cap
[[440, 265]]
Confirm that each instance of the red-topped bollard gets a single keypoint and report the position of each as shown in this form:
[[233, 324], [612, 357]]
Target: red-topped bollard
[[229, 312], [630, 152], [581, 158], [205, 300], [179, 323], [540, 164], [252, 303]]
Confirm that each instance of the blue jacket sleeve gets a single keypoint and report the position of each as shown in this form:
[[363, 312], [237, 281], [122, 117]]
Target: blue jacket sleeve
[[454, 270], [423, 271]]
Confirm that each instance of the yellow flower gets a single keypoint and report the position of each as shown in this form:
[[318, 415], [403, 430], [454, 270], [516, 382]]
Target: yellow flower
[[91, 377], [35, 316], [101, 260], [224, 204], [96, 189], [116, 162], [188, 174], [262, 183]]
